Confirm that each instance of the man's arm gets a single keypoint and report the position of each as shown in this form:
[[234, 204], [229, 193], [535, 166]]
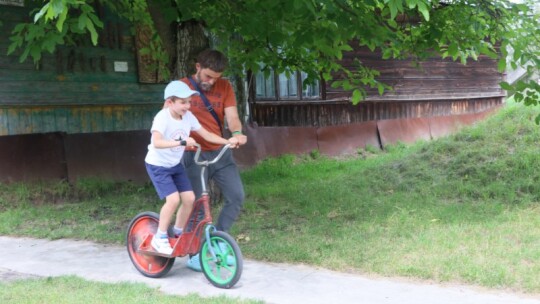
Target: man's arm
[[234, 123], [216, 139]]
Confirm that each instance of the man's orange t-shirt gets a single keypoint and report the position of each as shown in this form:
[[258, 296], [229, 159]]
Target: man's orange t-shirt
[[220, 97]]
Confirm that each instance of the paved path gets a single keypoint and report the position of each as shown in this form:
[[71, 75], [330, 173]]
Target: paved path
[[272, 283]]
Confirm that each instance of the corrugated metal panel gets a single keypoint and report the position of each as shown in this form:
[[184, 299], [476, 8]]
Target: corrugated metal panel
[[120, 155]]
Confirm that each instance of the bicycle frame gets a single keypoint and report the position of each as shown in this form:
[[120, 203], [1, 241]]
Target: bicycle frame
[[191, 239], [221, 258]]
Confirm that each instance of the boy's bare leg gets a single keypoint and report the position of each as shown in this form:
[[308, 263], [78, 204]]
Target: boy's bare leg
[[188, 198], [171, 204]]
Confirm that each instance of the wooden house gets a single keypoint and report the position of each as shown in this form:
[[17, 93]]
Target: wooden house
[[80, 111], [428, 100], [85, 111]]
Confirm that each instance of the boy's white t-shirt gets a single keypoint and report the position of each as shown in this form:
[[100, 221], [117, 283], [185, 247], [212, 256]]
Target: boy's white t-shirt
[[171, 129]]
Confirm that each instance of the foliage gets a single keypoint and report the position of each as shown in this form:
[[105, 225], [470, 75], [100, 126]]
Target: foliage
[[52, 26], [522, 44], [313, 36]]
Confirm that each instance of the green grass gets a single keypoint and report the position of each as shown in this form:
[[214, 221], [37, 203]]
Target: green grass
[[70, 289], [465, 208], [462, 209]]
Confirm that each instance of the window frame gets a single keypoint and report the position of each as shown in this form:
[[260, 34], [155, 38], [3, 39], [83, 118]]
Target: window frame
[[277, 88]]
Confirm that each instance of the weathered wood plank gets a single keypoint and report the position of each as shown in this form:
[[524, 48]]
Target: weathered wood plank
[[327, 114], [4, 127], [54, 78], [83, 119]]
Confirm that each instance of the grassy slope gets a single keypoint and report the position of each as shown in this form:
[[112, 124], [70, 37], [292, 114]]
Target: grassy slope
[[463, 208]]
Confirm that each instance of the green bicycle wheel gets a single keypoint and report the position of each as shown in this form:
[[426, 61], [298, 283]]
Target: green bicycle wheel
[[225, 269]]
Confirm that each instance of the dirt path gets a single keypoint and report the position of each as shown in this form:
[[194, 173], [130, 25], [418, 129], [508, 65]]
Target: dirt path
[[272, 283]]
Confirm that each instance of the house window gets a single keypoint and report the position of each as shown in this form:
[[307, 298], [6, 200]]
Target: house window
[[265, 87], [284, 87]]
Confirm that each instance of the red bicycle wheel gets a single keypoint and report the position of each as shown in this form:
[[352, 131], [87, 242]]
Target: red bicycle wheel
[[140, 227]]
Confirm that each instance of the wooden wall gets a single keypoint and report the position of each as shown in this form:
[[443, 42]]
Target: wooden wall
[[431, 78], [77, 89], [436, 87], [343, 112]]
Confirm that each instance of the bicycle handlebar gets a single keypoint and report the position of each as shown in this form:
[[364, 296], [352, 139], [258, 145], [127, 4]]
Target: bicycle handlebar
[[209, 162]]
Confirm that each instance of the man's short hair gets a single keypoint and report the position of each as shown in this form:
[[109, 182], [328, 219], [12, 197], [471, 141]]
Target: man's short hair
[[213, 60]]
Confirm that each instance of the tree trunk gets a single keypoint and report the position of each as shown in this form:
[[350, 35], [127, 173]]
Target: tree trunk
[[191, 39]]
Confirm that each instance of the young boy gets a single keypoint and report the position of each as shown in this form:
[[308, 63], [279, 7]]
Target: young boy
[[170, 129]]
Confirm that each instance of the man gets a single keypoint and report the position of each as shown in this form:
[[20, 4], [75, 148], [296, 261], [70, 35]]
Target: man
[[220, 94]]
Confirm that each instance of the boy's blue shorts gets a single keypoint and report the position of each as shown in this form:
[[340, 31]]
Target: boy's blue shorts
[[168, 180]]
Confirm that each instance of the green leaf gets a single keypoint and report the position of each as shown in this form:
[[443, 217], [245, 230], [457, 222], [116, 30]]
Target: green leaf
[[521, 85], [506, 86], [453, 50], [35, 52], [346, 47], [489, 53], [12, 47], [392, 23], [517, 54], [393, 10], [61, 20], [83, 20], [92, 30], [57, 7], [356, 96], [50, 14], [380, 88], [95, 20], [24, 55], [423, 10], [41, 12], [387, 53], [501, 66]]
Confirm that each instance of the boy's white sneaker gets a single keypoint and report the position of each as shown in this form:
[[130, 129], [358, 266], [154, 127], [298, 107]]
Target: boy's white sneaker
[[161, 245]]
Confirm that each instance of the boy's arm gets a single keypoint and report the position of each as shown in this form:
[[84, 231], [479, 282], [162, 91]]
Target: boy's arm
[[160, 143]]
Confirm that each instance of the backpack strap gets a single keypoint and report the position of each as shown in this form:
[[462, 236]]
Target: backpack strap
[[207, 104]]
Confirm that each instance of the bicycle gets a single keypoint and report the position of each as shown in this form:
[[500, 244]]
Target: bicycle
[[220, 256]]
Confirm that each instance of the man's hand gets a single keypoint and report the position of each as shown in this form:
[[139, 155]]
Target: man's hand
[[233, 141], [242, 139]]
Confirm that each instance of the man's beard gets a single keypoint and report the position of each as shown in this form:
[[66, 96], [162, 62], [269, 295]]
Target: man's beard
[[205, 86]]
